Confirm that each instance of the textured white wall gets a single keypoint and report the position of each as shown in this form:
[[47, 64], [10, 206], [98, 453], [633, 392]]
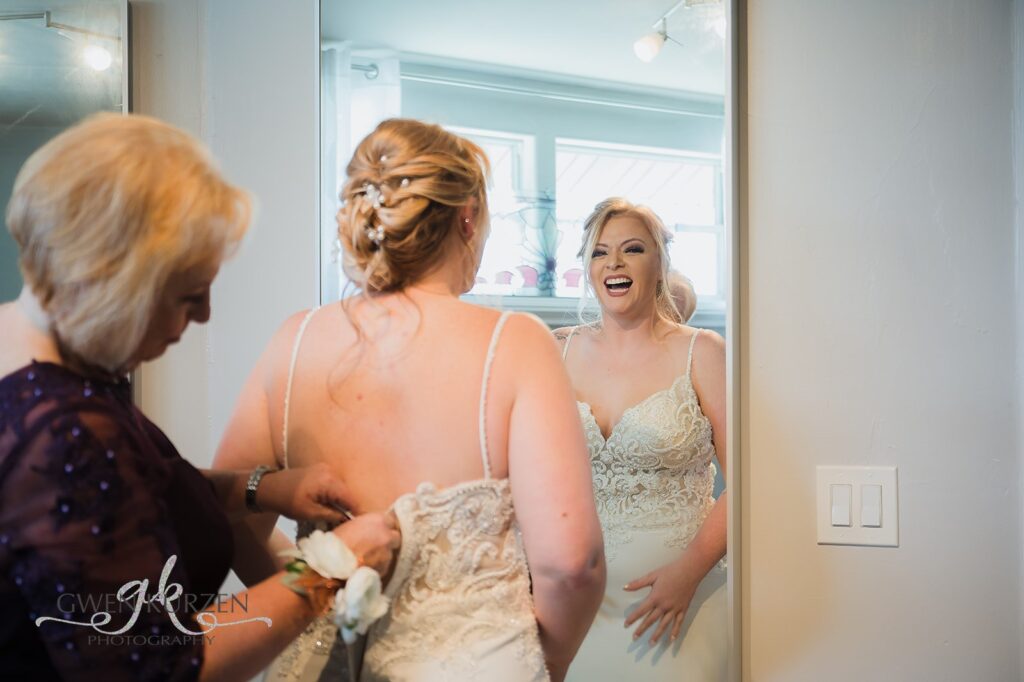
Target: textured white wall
[[880, 330]]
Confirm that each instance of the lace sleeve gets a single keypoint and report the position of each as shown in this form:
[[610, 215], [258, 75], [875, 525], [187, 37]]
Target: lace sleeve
[[81, 515]]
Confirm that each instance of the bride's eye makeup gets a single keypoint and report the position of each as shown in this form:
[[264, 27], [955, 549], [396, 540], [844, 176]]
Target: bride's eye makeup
[[598, 252], [635, 248]]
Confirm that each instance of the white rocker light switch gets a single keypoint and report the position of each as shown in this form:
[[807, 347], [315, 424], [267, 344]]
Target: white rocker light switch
[[857, 505], [841, 500], [871, 506]]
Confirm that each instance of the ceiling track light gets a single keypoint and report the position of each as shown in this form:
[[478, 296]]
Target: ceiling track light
[[97, 57], [648, 47]]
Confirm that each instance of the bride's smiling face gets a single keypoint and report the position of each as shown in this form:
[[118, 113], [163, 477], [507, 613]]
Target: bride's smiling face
[[625, 267]]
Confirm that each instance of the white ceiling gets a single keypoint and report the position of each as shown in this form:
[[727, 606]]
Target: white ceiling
[[590, 39], [43, 79]]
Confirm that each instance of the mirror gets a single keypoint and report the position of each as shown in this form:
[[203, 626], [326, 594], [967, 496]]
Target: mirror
[[60, 60], [573, 102]]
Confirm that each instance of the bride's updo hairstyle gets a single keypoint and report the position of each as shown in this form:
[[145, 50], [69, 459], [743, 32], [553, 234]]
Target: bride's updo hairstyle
[[617, 207], [407, 183]]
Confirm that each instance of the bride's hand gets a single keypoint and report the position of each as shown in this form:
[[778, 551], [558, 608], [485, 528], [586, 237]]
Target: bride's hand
[[374, 538], [672, 588], [312, 493]]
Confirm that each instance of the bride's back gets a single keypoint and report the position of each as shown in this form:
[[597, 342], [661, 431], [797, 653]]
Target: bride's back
[[389, 391], [404, 385]]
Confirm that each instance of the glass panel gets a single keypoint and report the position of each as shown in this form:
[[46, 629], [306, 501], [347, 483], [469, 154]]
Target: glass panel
[[59, 63], [695, 254], [680, 189]]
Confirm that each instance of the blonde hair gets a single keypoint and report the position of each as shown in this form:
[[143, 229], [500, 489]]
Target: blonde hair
[[680, 288], [103, 214], [616, 207], [407, 182]]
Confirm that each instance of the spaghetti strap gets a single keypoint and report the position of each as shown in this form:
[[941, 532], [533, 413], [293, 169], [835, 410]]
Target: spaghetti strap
[[565, 346], [689, 357], [485, 456], [288, 386]]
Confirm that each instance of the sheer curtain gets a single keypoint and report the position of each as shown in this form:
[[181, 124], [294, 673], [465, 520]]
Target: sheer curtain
[[359, 88]]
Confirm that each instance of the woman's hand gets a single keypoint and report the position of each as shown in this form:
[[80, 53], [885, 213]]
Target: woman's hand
[[373, 538], [672, 587], [312, 493]]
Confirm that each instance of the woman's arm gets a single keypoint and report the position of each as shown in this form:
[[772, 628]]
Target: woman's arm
[[549, 471], [673, 585], [250, 440], [241, 651], [70, 544], [311, 493]]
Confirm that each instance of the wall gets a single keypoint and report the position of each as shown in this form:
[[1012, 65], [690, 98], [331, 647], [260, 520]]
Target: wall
[[879, 328], [167, 82], [242, 75]]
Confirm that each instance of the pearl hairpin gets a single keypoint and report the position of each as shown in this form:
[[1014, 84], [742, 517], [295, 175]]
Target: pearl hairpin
[[373, 193]]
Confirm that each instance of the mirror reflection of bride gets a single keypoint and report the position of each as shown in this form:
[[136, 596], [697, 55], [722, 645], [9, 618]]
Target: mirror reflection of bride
[[459, 419], [652, 448]]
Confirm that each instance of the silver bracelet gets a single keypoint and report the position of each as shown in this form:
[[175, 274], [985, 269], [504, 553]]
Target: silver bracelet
[[253, 483]]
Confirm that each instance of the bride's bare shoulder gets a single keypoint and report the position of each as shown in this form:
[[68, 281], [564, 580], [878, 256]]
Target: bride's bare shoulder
[[679, 337], [563, 334], [284, 336]]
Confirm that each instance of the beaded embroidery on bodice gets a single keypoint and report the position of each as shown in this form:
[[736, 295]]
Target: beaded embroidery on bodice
[[461, 577], [655, 471]]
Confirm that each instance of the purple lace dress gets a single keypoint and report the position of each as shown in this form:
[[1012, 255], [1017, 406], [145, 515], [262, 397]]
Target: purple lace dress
[[94, 496]]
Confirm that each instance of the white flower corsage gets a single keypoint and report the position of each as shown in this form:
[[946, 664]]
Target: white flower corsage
[[324, 569], [359, 604]]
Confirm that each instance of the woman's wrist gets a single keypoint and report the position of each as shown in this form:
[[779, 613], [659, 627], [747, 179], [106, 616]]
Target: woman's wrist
[[693, 564], [257, 497]]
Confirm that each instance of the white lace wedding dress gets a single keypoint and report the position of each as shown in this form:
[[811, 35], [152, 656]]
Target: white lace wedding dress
[[653, 483], [460, 593]]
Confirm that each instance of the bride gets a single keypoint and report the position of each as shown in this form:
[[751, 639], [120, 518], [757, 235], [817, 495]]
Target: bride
[[652, 399], [458, 419]]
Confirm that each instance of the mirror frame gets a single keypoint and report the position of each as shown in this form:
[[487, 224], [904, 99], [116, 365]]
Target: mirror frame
[[736, 543]]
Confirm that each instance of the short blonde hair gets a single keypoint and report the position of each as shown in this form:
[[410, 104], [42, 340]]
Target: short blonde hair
[[407, 182], [616, 207], [103, 214]]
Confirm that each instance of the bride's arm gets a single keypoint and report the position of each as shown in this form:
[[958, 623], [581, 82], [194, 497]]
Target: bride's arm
[[552, 490], [673, 585], [708, 373], [250, 440]]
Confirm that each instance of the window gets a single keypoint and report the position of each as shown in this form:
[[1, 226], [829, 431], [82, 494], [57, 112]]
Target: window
[[661, 150], [506, 268], [531, 256], [682, 188]]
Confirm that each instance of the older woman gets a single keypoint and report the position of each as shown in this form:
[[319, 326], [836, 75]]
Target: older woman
[[121, 224], [651, 395]]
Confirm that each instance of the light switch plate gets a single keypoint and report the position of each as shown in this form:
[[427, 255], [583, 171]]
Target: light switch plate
[[885, 535]]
